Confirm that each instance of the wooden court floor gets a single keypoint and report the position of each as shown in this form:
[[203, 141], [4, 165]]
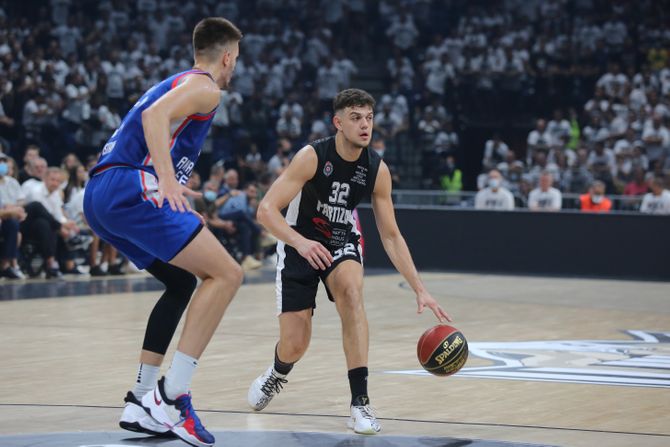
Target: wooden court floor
[[570, 362]]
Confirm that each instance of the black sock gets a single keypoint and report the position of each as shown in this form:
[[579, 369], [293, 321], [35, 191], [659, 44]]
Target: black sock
[[281, 367], [358, 382]]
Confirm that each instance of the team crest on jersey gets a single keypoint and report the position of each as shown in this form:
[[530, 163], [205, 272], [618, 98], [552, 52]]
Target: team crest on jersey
[[328, 169]]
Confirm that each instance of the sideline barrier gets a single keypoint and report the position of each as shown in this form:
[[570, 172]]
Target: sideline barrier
[[614, 245]]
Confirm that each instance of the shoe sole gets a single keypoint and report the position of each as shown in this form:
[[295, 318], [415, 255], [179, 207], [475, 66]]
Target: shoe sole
[[137, 428], [187, 438], [350, 426], [179, 432]]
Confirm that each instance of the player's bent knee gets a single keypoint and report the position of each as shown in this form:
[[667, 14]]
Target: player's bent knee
[[184, 282], [350, 297], [235, 275], [295, 347]]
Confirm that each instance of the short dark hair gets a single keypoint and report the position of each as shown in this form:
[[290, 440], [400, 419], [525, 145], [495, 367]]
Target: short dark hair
[[212, 33], [352, 97]]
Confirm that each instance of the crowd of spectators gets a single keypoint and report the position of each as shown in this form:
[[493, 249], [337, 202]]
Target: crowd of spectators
[[598, 71], [70, 70], [41, 218]]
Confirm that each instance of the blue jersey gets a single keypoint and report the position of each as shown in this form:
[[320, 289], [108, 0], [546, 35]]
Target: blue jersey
[[128, 148]]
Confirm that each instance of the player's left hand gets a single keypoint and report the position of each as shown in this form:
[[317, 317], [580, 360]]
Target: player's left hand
[[175, 194], [424, 300]]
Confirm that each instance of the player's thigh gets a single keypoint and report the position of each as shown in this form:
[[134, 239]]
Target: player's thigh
[[205, 257], [345, 282]]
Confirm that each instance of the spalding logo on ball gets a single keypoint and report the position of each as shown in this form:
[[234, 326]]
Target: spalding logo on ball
[[442, 350]]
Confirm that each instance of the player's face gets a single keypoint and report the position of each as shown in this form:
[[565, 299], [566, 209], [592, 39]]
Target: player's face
[[229, 62], [356, 124]]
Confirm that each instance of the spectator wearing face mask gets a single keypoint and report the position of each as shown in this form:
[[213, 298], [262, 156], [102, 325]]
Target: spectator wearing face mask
[[494, 196], [594, 200], [207, 207]]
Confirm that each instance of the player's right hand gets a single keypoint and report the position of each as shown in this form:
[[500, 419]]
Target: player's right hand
[[175, 193], [316, 254]]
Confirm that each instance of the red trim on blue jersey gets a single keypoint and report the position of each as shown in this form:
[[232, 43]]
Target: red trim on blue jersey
[[104, 168]]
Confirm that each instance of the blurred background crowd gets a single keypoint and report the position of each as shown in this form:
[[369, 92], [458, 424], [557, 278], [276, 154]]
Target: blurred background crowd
[[544, 105]]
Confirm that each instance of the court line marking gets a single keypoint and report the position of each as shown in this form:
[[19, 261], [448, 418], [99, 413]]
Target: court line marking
[[478, 424]]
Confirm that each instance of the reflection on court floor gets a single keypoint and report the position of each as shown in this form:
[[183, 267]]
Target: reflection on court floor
[[248, 439]]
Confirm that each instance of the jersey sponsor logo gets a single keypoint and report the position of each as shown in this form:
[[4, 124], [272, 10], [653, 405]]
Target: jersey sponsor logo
[[327, 169], [641, 362], [184, 168], [360, 176], [322, 226], [335, 214]]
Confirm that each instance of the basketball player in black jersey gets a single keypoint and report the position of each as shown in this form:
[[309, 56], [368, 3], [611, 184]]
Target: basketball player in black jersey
[[319, 241]]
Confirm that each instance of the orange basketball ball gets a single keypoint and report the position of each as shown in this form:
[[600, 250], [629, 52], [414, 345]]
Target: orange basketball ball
[[442, 350]]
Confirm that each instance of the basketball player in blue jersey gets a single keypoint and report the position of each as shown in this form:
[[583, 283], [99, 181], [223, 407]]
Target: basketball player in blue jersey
[[136, 200], [319, 241]]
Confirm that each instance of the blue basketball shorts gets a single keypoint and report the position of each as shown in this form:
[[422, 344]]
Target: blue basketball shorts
[[121, 206]]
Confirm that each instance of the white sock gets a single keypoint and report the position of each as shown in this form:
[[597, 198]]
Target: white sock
[[178, 378], [147, 376]]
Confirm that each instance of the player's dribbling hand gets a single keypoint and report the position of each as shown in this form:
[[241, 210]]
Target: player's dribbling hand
[[175, 193], [424, 300], [316, 254]]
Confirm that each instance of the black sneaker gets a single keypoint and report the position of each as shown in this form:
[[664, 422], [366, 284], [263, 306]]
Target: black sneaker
[[116, 270], [73, 271], [97, 271], [12, 273], [53, 273]]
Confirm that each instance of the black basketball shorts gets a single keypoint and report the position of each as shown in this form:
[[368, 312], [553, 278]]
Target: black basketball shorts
[[297, 281]]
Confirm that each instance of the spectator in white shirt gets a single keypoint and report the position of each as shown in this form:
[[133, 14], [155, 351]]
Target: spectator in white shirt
[[36, 169], [656, 139], [538, 139], [602, 155], [545, 197], [11, 213], [613, 81], [558, 127], [46, 221], [494, 196], [403, 32], [495, 151], [658, 200]]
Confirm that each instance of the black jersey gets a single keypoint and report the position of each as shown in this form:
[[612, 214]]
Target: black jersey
[[323, 209]]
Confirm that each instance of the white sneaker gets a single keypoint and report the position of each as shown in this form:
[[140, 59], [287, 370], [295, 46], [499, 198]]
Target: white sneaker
[[264, 388], [178, 415], [135, 418], [363, 420]]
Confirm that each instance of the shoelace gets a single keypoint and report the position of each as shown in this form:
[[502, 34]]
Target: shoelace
[[273, 385], [367, 412], [183, 404]]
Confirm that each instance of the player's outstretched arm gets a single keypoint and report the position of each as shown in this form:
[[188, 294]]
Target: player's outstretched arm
[[283, 190], [196, 94], [395, 245]]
